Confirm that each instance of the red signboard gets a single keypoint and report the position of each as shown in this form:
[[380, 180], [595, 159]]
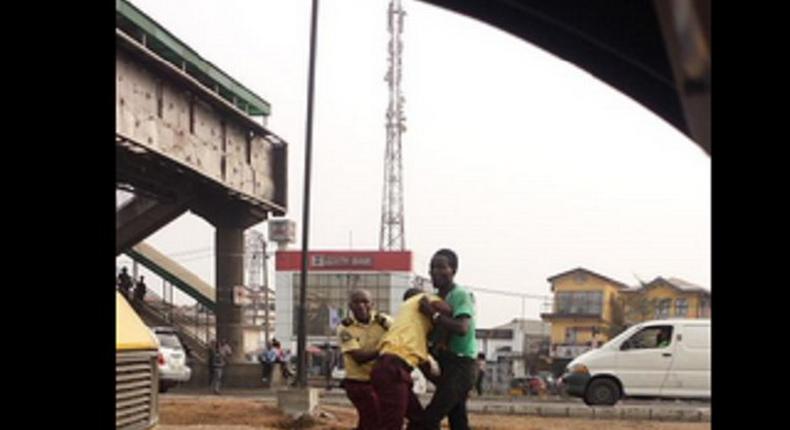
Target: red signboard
[[332, 261]]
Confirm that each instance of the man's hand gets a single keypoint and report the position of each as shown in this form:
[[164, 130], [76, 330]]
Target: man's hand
[[426, 308], [427, 371]]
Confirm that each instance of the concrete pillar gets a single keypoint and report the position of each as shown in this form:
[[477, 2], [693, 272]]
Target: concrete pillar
[[229, 248]]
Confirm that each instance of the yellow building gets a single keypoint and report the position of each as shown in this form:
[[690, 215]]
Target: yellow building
[[589, 308], [665, 298], [585, 309]]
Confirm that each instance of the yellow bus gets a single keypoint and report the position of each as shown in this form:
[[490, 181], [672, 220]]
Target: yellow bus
[[136, 370]]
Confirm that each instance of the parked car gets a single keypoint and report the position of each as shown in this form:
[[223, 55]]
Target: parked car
[[550, 381], [529, 385], [660, 358], [172, 358]]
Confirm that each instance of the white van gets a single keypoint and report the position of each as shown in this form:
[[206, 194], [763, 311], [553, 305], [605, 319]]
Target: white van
[[662, 358]]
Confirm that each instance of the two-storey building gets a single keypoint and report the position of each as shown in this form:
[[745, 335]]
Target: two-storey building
[[585, 309], [665, 298], [589, 308]]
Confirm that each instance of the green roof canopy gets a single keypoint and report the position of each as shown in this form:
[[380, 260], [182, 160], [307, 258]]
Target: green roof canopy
[[137, 25]]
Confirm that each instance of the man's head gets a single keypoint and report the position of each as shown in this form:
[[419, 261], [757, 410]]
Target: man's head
[[142, 278], [444, 265], [360, 303], [123, 269]]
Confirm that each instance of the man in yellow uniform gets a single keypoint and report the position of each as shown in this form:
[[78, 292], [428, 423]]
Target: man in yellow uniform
[[359, 335], [402, 348]]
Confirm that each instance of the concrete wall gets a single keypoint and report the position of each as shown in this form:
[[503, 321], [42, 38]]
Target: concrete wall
[[156, 113]]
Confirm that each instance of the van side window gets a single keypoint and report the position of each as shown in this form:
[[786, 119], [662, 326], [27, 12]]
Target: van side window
[[649, 338]]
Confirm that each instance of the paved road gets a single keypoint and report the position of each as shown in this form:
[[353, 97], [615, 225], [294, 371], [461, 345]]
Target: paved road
[[338, 397]]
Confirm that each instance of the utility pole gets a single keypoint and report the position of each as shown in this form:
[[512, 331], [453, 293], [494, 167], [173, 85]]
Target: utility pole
[[264, 261], [256, 251]]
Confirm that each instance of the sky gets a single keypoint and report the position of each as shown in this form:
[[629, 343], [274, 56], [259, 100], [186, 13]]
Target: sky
[[524, 164]]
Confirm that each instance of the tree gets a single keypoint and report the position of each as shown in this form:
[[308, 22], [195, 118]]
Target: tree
[[630, 308], [637, 307]]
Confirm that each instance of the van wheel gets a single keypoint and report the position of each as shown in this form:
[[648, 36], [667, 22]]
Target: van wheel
[[602, 392]]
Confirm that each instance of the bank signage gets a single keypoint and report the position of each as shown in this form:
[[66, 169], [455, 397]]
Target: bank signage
[[341, 261], [345, 260]]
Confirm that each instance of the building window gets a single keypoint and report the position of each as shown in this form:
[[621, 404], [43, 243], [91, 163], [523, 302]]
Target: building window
[[662, 311], [327, 298], [580, 303], [570, 335], [681, 308]]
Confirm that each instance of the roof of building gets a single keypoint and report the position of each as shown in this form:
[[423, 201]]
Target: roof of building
[[136, 23], [582, 269], [682, 285], [676, 283], [528, 326]]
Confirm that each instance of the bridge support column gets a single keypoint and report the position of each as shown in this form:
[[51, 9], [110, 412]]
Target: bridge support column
[[229, 260]]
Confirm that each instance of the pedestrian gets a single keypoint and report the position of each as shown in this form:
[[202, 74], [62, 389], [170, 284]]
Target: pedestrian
[[457, 362], [139, 290], [266, 358], [360, 333], [403, 348], [282, 358], [124, 283], [218, 358], [481, 371]]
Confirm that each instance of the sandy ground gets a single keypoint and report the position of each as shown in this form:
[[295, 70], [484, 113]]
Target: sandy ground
[[218, 413]]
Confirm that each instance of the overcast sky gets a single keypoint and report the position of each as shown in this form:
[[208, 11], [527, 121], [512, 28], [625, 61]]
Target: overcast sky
[[522, 163]]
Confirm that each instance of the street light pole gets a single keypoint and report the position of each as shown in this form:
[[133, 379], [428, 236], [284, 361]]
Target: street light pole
[[265, 292], [301, 370]]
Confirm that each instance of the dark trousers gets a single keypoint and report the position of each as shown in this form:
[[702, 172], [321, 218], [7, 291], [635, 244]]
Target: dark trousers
[[365, 400], [266, 373], [479, 383], [456, 380], [391, 379]]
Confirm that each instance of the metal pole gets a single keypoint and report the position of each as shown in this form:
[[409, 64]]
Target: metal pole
[[265, 294], [301, 371]]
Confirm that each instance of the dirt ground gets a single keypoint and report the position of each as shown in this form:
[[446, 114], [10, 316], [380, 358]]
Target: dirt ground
[[212, 413]]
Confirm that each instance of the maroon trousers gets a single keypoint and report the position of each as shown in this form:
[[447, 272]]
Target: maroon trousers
[[391, 379], [365, 401]]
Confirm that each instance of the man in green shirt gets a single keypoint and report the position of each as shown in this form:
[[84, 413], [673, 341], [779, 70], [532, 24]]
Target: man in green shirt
[[457, 361]]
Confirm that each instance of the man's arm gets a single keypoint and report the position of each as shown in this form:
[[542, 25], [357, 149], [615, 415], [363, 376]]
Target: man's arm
[[458, 325], [363, 357]]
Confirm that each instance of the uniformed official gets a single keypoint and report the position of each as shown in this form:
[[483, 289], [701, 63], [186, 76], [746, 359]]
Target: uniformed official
[[359, 335]]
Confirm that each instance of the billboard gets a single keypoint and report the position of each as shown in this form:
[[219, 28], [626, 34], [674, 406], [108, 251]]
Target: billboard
[[282, 230]]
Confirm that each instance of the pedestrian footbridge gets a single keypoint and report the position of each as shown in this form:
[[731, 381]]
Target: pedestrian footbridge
[[174, 273]]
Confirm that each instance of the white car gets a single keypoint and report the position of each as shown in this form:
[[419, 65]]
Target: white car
[[171, 359]]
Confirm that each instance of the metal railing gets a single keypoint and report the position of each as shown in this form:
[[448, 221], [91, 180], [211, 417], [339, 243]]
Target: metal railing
[[195, 324]]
